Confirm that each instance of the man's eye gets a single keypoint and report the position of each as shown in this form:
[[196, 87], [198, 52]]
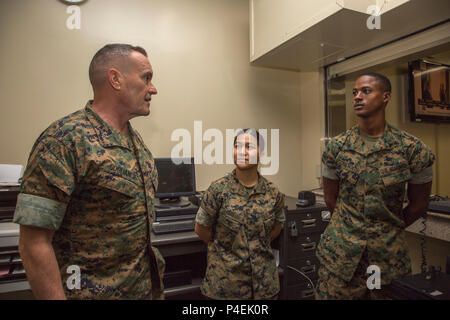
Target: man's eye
[[367, 91], [355, 92]]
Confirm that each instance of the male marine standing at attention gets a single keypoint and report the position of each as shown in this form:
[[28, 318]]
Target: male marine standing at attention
[[365, 173], [87, 193]]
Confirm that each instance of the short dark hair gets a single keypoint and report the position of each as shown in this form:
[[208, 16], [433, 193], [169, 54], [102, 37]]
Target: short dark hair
[[386, 83], [254, 133], [101, 60]]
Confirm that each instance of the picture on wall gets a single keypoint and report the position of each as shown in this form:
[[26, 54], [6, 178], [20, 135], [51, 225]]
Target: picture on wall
[[429, 91]]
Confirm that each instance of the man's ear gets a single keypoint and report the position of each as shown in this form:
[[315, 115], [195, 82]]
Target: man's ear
[[386, 97], [115, 78]]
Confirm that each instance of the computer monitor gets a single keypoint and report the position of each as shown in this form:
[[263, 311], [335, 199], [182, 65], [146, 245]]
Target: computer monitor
[[174, 181]]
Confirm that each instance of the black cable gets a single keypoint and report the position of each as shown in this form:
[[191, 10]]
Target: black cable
[[423, 266], [310, 281]]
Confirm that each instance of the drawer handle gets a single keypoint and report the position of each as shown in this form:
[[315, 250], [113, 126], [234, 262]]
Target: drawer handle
[[307, 293], [308, 246], [310, 223], [308, 269]]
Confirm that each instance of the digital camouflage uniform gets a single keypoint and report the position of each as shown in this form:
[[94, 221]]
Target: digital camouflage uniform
[[241, 264], [367, 226], [83, 180]]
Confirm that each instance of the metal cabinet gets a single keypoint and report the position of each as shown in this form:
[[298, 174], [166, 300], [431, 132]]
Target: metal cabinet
[[297, 245]]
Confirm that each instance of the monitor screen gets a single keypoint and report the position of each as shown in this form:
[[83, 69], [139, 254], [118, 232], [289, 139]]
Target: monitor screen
[[429, 91], [175, 180]]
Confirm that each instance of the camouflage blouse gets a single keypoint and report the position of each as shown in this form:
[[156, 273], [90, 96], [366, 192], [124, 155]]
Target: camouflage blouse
[[95, 187], [368, 212], [241, 264]]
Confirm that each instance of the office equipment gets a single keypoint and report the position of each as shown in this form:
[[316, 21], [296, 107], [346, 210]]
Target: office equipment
[[185, 256], [421, 287], [12, 273], [441, 206], [8, 201], [306, 199], [10, 174], [174, 226], [13, 281], [174, 219], [297, 245], [166, 214], [177, 278], [176, 178]]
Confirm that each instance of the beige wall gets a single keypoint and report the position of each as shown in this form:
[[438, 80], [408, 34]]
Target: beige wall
[[199, 50], [312, 124]]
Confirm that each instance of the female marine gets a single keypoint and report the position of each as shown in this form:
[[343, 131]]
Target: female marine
[[239, 216]]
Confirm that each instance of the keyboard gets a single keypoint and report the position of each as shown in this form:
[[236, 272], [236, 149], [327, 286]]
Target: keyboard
[[440, 205], [417, 287], [175, 226]]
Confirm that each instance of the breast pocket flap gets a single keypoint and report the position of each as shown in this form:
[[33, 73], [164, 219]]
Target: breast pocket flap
[[118, 184], [231, 223], [395, 174]]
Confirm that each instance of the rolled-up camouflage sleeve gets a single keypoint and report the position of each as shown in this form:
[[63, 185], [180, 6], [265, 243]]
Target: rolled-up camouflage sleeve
[[279, 208], [207, 213], [421, 158], [47, 184], [329, 173]]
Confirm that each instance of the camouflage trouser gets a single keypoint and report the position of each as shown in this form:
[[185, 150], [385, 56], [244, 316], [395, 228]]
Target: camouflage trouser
[[332, 287], [275, 297], [156, 295]]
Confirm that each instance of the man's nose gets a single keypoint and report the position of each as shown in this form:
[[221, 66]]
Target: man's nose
[[153, 89], [358, 96]]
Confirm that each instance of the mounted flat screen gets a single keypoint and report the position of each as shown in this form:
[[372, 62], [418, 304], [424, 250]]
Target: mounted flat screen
[[429, 92]]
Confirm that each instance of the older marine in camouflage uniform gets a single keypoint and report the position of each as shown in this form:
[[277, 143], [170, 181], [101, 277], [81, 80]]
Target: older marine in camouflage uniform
[[95, 187], [241, 264], [367, 226]]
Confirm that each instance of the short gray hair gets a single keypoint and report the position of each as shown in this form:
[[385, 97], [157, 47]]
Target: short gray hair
[[102, 59]]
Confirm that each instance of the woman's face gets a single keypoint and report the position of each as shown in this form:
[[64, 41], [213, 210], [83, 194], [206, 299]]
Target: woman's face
[[246, 151]]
